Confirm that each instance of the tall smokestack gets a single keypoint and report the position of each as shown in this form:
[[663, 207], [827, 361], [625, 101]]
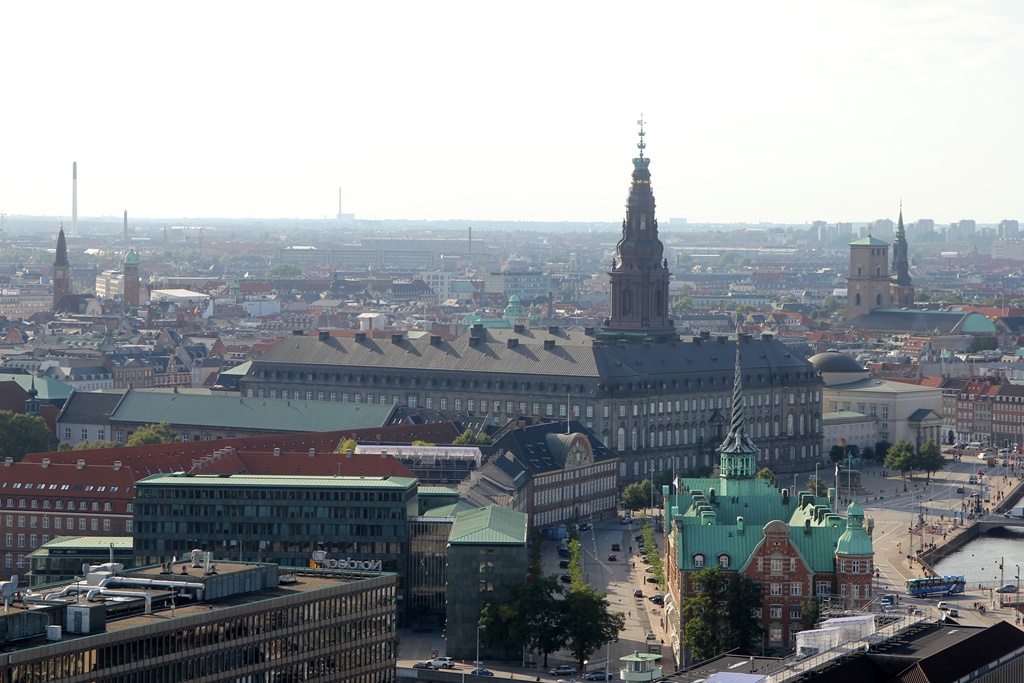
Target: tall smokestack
[[74, 199], [126, 227], [471, 240]]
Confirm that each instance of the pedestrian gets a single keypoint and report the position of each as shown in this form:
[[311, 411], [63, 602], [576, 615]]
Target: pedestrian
[[629, 613]]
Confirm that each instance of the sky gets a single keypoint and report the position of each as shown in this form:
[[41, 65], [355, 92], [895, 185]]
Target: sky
[[756, 110]]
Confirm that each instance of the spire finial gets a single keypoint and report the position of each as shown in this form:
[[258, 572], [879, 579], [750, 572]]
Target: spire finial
[[641, 145]]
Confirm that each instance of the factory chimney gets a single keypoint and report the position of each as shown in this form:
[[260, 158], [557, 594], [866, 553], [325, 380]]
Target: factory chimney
[[126, 227]]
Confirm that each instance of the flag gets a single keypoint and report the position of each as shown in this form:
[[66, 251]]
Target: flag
[[837, 470], [675, 482]]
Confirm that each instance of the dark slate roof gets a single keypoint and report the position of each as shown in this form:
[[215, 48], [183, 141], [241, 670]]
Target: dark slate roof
[[525, 354], [915, 321], [833, 361], [88, 407], [532, 448]]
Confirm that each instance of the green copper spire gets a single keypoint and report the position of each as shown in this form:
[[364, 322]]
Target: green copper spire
[[738, 453]]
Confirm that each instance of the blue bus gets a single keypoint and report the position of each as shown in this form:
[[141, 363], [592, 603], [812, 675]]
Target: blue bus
[[936, 585]]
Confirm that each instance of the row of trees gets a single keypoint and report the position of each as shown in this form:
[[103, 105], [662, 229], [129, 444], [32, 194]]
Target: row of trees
[[904, 458], [541, 615], [653, 556]]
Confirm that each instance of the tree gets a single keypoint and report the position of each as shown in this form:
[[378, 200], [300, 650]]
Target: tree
[[930, 458], [576, 565], [421, 442], [90, 445], [152, 434], [868, 453], [901, 456], [810, 612], [531, 615], [742, 628], [817, 486], [469, 438], [881, 449], [767, 475], [637, 495], [346, 446], [703, 614], [589, 623], [22, 434], [835, 454], [284, 270]]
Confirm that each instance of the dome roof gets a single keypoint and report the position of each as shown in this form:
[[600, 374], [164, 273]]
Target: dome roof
[[131, 258], [833, 361]]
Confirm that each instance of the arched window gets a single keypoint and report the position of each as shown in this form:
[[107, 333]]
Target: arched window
[[621, 439], [723, 561], [789, 424], [634, 441], [878, 299], [801, 425], [698, 561], [857, 299]]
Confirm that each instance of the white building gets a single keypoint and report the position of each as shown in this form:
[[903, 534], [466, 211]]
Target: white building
[[904, 411]]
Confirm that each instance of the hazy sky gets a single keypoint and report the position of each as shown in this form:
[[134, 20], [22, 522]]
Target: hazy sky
[[757, 111]]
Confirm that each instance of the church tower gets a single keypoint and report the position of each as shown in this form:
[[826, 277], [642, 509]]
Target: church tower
[[61, 269], [901, 288], [867, 286], [131, 279], [639, 274]]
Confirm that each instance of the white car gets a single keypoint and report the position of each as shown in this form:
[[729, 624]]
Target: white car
[[943, 605], [442, 663]]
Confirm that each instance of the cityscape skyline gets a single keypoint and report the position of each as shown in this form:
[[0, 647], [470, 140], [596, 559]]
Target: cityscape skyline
[[846, 108]]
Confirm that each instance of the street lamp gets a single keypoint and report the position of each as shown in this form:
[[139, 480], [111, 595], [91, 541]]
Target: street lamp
[[477, 662]]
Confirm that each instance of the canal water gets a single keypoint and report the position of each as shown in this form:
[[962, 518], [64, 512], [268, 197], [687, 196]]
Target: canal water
[[979, 559]]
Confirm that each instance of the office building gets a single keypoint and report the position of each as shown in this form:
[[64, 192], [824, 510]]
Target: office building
[[222, 621]]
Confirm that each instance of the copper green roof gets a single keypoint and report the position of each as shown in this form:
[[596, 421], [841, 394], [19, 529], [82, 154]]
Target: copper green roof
[[49, 389], [491, 525], [88, 543], [438, 491], [131, 258], [227, 412], [276, 481], [869, 241]]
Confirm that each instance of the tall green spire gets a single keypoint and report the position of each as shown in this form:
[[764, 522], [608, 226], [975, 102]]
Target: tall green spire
[[738, 454]]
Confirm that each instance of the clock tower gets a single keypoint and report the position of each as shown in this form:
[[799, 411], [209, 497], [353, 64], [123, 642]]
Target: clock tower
[[639, 273]]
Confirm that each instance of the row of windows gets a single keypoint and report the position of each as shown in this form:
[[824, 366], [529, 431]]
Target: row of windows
[[584, 508], [57, 522], [573, 491], [84, 506], [270, 493]]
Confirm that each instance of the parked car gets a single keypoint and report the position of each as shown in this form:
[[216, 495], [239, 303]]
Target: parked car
[[613, 557], [959, 489], [563, 670], [643, 558], [616, 547], [598, 676], [651, 636], [422, 665], [658, 599], [565, 578], [652, 579], [624, 520], [442, 663], [638, 593], [586, 526], [563, 564], [649, 570], [481, 672], [1007, 588]]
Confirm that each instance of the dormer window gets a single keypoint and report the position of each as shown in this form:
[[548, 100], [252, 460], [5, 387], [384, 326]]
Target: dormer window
[[698, 561], [723, 561]]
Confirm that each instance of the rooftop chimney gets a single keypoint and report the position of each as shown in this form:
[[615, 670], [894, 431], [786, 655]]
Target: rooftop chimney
[[46, 462], [81, 464], [435, 340], [277, 452], [549, 344], [117, 465], [312, 452], [396, 338], [324, 335], [360, 336]]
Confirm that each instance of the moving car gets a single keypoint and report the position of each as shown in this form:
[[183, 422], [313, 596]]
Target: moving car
[[1007, 588], [954, 612], [616, 547], [422, 665], [638, 593], [481, 672], [563, 670], [943, 605], [613, 557], [624, 520], [651, 636], [442, 663], [598, 676], [586, 526]]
